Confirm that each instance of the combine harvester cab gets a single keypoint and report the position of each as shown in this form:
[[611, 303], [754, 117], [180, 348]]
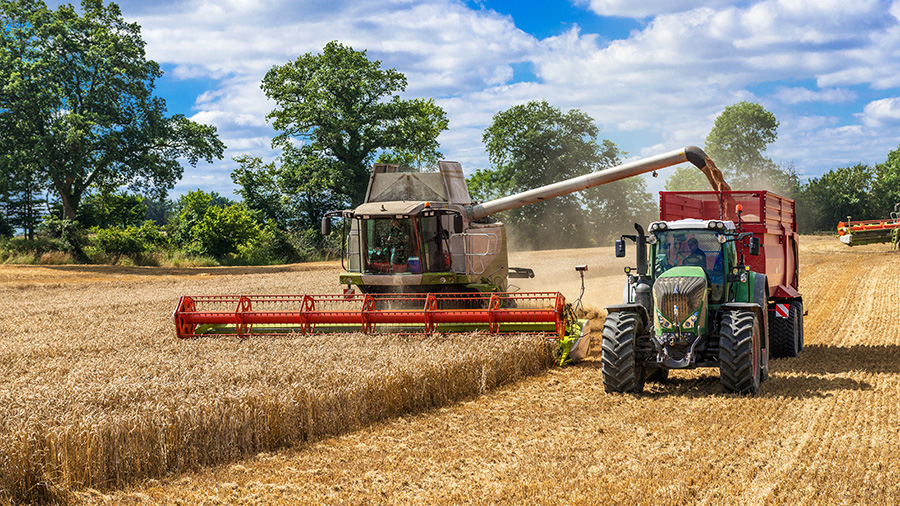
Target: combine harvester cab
[[426, 259], [857, 233], [719, 290]]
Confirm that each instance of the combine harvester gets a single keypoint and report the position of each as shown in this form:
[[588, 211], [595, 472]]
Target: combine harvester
[[857, 233], [720, 289], [426, 259]]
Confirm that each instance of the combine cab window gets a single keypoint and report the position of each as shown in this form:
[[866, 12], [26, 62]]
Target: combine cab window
[[435, 251], [389, 244], [401, 245], [692, 247]]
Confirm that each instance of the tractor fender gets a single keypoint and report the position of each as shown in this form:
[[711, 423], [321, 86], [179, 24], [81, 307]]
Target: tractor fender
[[631, 308]]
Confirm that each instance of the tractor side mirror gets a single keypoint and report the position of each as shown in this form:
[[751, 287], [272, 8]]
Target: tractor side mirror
[[457, 223], [754, 246], [620, 248], [326, 225]]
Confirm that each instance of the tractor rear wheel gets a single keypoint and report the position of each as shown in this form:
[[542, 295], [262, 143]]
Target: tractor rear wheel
[[739, 357], [619, 353], [784, 333]]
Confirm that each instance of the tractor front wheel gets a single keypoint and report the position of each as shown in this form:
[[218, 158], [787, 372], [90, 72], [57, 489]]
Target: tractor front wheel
[[739, 357], [621, 372]]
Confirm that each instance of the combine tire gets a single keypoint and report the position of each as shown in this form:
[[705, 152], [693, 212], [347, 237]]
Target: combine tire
[[739, 360], [620, 371], [785, 334]]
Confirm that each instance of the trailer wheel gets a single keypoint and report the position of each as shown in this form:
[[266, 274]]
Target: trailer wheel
[[739, 357], [619, 349], [785, 335], [798, 307]]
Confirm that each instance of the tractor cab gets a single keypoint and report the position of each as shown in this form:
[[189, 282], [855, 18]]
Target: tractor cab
[[696, 243]]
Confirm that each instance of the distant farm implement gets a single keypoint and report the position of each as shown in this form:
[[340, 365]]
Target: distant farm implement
[[857, 233]]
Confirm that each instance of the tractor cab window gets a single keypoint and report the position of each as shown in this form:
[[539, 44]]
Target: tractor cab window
[[699, 248], [389, 244]]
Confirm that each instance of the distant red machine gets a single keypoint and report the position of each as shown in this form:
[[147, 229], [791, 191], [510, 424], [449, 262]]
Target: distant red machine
[[857, 233]]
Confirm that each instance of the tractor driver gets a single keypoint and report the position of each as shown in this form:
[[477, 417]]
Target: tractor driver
[[697, 256]]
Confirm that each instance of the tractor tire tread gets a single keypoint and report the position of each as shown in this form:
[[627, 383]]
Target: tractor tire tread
[[736, 368], [620, 373]]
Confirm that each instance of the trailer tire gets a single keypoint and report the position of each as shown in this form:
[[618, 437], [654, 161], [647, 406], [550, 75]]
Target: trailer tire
[[739, 357], [619, 353], [784, 333], [797, 306]]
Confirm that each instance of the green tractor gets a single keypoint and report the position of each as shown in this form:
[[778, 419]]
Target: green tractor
[[695, 303]]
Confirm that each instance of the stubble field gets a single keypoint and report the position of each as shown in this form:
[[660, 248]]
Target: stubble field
[[100, 404]]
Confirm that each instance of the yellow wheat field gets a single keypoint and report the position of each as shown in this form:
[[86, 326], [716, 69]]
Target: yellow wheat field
[[93, 378]]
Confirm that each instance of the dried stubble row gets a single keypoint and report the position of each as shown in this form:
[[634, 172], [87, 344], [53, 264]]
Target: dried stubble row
[[96, 392]]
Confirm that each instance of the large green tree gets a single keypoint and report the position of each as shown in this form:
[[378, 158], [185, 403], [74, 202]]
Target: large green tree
[[293, 195], [687, 179], [77, 104], [738, 141], [346, 108], [535, 144]]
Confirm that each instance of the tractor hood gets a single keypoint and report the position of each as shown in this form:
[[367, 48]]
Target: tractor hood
[[680, 295]]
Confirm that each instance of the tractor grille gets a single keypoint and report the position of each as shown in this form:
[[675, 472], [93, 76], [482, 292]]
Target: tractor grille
[[687, 293]]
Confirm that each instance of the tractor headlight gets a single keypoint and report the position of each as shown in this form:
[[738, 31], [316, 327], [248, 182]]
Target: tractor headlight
[[691, 322], [652, 239], [721, 238], [663, 322]]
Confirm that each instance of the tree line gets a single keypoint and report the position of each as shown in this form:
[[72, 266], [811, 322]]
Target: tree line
[[89, 154]]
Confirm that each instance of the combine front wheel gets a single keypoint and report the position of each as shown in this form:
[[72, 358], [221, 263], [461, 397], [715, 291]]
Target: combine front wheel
[[620, 370], [739, 360]]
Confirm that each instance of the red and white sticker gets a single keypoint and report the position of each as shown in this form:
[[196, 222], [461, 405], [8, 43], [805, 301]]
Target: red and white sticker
[[781, 310]]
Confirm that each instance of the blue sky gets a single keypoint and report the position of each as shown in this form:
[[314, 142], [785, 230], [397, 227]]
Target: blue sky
[[653, 74]]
